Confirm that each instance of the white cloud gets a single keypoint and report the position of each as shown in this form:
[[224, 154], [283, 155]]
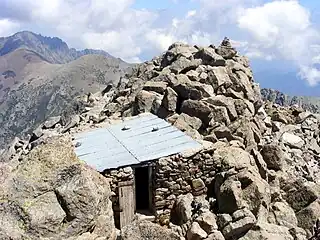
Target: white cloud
[[311, 74], [283, 28], [7, 27], [191, 13], [279, 29]]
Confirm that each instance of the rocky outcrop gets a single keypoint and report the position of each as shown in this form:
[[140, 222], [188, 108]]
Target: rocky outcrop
[[50, 194], [256, 176]]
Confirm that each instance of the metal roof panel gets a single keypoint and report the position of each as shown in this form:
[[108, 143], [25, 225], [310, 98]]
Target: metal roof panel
[[148, 138]]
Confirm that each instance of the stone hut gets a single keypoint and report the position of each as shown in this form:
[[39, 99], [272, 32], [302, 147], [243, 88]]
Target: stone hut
[[146, 160]]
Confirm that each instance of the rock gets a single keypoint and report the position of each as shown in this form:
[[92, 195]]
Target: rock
[[186, 120], [308, 216], [226, 50], [298, 233], [55, 196], [268, 232], [196, 109], [45, 213], [314, 146], [242, 108], [112, 108], [283, 214], [229, 196], [176, 50], [183, 209], [280, 117], [224, 132], [302, 116], [219, 115], [196, 232], [216, 235], [232, 157], [241, 80], [242, 128], [188, 89], [299, 193], [235, 66], [223, 220], [193, 75], [261, 113], [210, 57], [292, 140], [273, 156], [146, 102], [207, 222], [261, 164], [218, 76], [183, 65], [73, 122], [198, 184], [170, 100], [158, 87], [242, 224], [227, 102], [255, 191], [51, 122], [141, 230]]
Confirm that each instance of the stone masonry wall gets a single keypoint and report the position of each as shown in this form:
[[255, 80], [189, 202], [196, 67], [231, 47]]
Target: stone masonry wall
[[172, 176], [179, 175]]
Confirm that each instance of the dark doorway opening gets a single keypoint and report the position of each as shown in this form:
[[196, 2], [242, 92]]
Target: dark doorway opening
[[142, 185]]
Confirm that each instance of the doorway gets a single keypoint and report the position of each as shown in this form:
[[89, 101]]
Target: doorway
[[143, 190]]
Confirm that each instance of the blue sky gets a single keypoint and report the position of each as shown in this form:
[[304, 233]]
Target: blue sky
[[281, 37]]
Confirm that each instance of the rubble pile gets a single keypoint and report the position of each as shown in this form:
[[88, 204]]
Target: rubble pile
[[258, 175]]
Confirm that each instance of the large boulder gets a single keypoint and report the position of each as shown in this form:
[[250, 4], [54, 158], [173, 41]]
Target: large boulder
[[170, 99], [196, 232], [227, 102], [273, 156], [207, 221], [282, 214], [51, 194], [243, 221], [267, 231], [233, 157], [210, 57], [147, 102], [307, 217], [197, 109], [183, 208], [292, 140], [299, 193]]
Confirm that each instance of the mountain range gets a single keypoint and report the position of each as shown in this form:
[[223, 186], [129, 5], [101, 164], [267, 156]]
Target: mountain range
[[51, 49], [311, 104], [40, 76]]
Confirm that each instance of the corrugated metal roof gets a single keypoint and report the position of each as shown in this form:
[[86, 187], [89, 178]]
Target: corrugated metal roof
[[148, 138]]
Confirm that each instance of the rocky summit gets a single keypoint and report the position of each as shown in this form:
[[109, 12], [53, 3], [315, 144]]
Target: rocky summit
[[256, 177]]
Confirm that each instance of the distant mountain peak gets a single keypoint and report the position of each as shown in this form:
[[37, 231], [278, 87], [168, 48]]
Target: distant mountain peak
[[52, 49]]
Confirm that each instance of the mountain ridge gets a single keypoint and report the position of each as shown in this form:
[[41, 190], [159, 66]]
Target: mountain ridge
[[53, 49], [310, 103], [41, 76]]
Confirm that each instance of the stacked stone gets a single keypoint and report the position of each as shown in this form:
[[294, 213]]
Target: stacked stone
[[178, 175]]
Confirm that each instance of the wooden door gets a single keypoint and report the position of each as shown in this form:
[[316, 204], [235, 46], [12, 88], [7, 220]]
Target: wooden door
[[126, 202]]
